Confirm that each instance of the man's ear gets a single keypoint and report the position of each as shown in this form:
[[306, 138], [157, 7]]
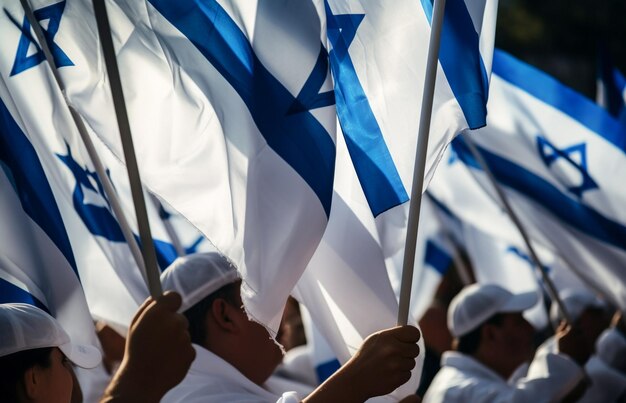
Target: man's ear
[[31, 382], [226, 316]]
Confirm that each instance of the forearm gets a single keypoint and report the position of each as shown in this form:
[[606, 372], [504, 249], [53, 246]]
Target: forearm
[[129, 386], [340, 387]]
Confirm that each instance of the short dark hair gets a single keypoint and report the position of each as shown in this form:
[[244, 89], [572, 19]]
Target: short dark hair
[[469, 343], [13, 367], [196, 315]]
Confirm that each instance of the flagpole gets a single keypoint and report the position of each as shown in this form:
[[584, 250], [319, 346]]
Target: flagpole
[[147, 244], [420, 161], [109, 190], [516, 221]]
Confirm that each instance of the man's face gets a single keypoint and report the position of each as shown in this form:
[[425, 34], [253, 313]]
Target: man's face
[[592, 321], [266, 351], [514, 339], [56, 380], [261, 351]]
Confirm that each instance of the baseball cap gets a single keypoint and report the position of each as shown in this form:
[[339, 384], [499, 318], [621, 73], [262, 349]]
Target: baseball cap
[[576, 301], [478, 302], [26, 327], [197, 276]]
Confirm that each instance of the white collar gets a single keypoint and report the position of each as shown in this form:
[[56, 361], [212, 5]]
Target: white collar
[[466, 363], [208, 363]]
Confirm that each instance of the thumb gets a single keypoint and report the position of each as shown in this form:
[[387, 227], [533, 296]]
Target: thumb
[[142, 308]]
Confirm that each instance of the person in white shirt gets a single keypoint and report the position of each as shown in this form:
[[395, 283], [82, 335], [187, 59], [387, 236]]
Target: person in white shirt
[[492, 339], [606, 369], [235, 357], [36, 356]]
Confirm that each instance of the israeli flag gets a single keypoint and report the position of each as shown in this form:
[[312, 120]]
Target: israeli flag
[[37, 113], [37, 263], [557, 155], [222, 98], [377, 55], [497, 261]]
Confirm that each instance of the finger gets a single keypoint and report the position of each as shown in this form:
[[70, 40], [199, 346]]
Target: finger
[[405, 364], [407, 334], [170, 301], [563, 327], [409, 350], [181, 321]]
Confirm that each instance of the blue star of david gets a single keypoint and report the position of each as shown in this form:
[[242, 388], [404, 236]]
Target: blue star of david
[[309, 97], [549, 154], [23, 61], [193, 248], [98, 219], [341, 30], [375, 168], [453, 157]]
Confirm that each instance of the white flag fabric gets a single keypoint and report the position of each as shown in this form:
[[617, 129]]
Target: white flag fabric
[[433, 258], [222, 103], [483, 229], [108, 274], [377, 56], [498, 262], [557, 155], [234, 122], [37, 264]]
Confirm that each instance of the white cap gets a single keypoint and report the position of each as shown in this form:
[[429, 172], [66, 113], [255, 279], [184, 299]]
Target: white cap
[[197, 276], [26, 327], [611, 348], [478, 302], [576, 301]]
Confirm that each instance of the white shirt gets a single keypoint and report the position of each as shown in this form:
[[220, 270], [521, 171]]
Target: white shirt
[[608, 384], [211, 380], [464, 379]]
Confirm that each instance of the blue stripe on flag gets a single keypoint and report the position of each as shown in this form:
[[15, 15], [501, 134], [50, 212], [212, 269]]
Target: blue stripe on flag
[[437, 258], [372, 160], [298, 138], [31, 183], [326, 369], [552, 92], [568, 210], [10, 293], [523, 256], [441, 206], [460, 59]]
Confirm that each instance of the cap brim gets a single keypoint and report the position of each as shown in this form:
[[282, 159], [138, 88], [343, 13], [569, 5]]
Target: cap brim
[[84, 356], [520, 302]]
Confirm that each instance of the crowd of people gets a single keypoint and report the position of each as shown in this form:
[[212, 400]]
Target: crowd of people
[[196, 344]]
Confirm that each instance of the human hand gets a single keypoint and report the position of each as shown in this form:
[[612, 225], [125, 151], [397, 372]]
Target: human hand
[[384, 361], [158, 352], [572, 342], [619, 322]]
